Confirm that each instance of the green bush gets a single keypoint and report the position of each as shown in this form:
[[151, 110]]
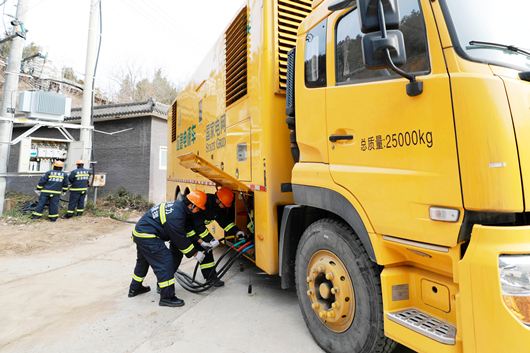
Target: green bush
[[122, 199]]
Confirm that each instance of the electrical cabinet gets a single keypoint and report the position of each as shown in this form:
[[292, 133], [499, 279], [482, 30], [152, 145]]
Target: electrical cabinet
[[37, 155]]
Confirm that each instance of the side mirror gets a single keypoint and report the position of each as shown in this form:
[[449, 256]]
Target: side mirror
[[374, 49], [341, 4], [384, 45], [369, 15]]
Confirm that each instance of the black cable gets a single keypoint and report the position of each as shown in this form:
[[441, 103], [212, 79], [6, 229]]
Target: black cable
[[191, 285]]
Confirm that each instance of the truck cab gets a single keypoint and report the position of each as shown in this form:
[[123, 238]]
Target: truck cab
[[411, 120]]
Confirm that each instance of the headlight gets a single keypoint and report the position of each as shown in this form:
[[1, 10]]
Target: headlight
[[514, 271]]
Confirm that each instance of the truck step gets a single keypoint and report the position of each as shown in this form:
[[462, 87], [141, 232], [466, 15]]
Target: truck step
[[425, 324]]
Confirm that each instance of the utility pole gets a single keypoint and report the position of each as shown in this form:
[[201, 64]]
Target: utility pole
[[86, 135], [9, 99]]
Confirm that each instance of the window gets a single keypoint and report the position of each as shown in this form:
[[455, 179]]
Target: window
[[315, 56], [162, 161], [200, 111], [348, 47]]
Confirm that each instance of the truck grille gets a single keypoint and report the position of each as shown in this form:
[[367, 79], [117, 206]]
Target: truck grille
[[290, 14]]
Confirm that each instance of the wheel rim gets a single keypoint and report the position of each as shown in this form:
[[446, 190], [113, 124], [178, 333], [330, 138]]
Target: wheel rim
[[330, 291]]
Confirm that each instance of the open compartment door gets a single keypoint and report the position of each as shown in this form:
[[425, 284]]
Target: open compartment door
[[211, 172]]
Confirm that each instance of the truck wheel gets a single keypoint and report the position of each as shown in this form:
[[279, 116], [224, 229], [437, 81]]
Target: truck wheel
[[339, 290]]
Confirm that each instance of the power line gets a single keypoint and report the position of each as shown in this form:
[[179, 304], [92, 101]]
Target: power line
[[145, 14]]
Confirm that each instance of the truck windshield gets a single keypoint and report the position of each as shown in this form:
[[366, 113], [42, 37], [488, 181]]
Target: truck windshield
[[477, 24]]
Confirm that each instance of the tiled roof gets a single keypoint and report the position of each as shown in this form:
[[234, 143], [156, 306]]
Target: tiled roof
[[123, 110]]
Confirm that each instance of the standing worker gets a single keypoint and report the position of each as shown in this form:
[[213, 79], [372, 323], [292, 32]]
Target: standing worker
[[79, 180], [51, 185], [198, 233], [164, 222]]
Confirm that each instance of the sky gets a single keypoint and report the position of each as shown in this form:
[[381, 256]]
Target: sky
[[173, 35]]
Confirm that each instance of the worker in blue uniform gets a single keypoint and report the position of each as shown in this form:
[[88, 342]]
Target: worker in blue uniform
[[198, 233], [164, 222], [79, 182], [51, 185]]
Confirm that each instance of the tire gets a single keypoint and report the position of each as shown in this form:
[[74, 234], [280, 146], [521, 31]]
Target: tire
[[342, 310]]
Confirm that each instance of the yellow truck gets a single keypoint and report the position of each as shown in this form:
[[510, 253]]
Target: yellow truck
[[380, 154]]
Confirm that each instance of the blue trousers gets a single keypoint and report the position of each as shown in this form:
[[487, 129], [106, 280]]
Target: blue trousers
[[53, 209], [153, 252], [77, 199], [206, 266]]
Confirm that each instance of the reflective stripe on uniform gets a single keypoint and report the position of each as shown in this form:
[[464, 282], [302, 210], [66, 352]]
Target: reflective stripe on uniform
[[39, 187], [190, 234], [143, 235], [53, 215], [37, 214], [163, 213], [187, 250], [203, 234], [230, 226], [208, 265], [78, 189], [207, 222], [78, 210], [56, 177], [69, 211], [82, 175], [51, 191], [166, 283], [138, 279]]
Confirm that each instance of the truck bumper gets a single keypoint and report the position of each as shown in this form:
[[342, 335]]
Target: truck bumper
[[485, 322]]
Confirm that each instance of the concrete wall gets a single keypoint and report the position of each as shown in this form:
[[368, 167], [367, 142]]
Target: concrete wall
[[130, 158], [157, 177]]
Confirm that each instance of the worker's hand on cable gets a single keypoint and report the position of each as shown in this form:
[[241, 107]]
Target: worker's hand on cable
[[206, 245], [214, 243], [240, 234], [199, 256]]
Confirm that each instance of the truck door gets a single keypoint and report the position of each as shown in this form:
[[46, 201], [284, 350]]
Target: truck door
[[396, 154]]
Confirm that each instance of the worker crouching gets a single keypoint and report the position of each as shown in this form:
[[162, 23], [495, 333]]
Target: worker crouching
[[164, 222], [196, 230]]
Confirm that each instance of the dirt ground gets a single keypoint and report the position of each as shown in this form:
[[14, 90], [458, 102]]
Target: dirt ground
[[63, 288], [43, 236]]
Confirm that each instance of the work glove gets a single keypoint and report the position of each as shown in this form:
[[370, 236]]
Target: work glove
[[199, 256], [206, 245], [214, 243], [240, 234]]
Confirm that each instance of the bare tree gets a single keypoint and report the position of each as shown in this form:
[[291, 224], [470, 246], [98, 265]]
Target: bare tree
[[134, 85]]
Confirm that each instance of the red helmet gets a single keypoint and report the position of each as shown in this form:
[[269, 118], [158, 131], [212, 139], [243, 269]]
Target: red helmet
[[226, 196], [198, 198]]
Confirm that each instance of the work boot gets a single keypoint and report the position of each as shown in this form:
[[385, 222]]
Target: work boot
[[219, 283], [141, 290], [173, 302]]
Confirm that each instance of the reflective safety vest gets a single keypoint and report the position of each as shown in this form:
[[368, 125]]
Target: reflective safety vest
[[53, 182], [79, 180], [167, 222]]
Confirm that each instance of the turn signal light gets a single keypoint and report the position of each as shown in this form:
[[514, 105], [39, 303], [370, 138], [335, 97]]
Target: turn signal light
[[444, 214]]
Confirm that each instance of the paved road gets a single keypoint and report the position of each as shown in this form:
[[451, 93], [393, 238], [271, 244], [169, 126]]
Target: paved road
[[76, 301]]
